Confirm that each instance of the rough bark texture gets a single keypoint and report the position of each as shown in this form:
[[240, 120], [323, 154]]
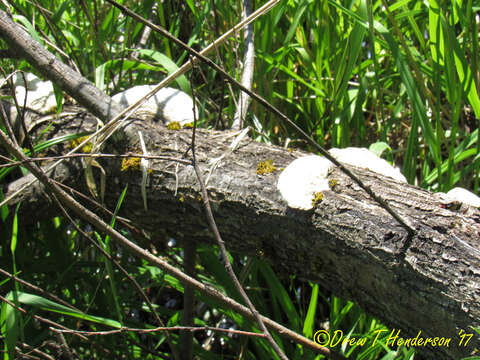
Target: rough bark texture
[[429, 283]]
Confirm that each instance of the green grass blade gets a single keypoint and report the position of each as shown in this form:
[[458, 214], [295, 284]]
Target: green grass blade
[[10, 329], [48, 305], [309, 323], [419, 112], [278, 292], [108, 265]]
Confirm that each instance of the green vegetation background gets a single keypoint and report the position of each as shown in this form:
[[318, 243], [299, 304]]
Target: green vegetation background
[[400, 77]]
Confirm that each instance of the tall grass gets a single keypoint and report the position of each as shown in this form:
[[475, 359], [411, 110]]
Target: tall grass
[[403, 77]]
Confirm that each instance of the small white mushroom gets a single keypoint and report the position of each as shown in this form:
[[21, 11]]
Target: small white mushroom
[[364, 158], [167, 104]]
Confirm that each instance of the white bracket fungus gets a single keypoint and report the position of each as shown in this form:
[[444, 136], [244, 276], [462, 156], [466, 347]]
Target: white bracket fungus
[[167, 104], [306, 176], [364, 158], [40, 94], [302, 179], [462, 195]]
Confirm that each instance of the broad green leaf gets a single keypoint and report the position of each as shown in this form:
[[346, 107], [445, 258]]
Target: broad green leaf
[[379, 147], [168, 64]]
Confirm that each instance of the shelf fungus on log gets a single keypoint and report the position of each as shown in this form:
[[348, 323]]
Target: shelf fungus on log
[[306, 177]]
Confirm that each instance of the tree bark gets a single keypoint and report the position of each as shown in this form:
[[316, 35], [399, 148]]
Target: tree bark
[[349, 244], [427, 283]]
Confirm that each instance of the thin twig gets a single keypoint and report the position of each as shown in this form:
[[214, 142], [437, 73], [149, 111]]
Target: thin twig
[[84, 213], [145, 34], [158, 329], [221, 245], [66, 352], [189, 254], [13, 163], [32, 350]]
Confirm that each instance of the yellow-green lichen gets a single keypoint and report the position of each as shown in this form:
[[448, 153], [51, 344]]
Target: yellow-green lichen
[[332, 183], [265, 167], [85, 148], [131, 163], [317, 197], [188, 125], [174, 125]]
